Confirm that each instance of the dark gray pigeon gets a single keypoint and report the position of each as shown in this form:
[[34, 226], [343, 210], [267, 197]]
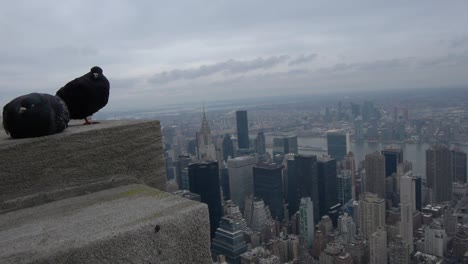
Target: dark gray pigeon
[[35, 115], [86, 95]]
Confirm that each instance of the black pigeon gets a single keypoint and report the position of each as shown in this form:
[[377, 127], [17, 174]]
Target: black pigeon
[[35, 115], [86, 95]]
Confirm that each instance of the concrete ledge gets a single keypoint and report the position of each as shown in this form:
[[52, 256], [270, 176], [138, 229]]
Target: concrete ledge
[[80, 160], [116, 225]]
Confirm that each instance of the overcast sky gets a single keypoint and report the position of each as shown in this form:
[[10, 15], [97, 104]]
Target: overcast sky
[[188, 51]]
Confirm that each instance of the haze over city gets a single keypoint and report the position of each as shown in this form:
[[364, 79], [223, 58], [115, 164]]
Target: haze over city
[[156, 53]]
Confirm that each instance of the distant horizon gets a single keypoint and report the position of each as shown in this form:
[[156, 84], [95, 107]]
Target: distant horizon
[[359, 96]]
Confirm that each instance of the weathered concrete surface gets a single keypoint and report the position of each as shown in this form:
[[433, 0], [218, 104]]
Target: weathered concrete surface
[[80, 160], [110, 226]]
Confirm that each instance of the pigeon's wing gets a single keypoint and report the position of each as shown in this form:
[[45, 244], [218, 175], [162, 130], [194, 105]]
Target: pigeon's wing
[[103, 95], [61, 115], [68, 88]]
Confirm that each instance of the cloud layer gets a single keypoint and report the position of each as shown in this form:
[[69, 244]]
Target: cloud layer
[[177, 51]]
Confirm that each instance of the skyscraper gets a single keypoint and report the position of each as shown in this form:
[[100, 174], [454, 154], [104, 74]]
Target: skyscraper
[[240, 179], [372, 213], [399, 252], [407, 208], [261, 145], [268, 186], [229, 240], [378, 246], [344, 187], [435, 239], [307, 226], [204, 181], [206, 149], [242, 129], [439, 173], [393, 157], [459, 166], [418, 192], [375, 174], [328, 196], [307, 184], [337, 144], [228, 147], [350, 164], [285, 144], [346, 227]]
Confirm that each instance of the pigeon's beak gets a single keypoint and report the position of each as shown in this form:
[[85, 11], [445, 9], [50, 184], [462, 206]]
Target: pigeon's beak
[[96, 75], [22, 110]]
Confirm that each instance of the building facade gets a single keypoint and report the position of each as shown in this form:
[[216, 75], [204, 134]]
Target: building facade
[[204, 181]]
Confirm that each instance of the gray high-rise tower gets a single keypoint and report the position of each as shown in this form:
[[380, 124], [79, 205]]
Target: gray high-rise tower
[[242, 129], [375, 174], [439, 173]]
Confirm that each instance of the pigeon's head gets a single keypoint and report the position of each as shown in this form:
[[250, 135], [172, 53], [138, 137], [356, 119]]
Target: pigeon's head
[[96, 72], [26, 104]]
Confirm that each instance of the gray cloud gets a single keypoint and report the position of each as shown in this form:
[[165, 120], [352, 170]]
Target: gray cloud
[[303, 59], [227, 67]]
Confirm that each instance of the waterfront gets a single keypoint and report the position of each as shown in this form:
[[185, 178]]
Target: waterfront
[[414, 152]]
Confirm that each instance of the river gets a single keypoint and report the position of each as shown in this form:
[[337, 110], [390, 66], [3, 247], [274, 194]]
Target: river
[[414, 152]]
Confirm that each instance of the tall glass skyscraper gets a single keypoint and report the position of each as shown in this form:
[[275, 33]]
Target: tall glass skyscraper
[[393, 157], [268, 186], [242, 129], [337, 144], [204, 181]]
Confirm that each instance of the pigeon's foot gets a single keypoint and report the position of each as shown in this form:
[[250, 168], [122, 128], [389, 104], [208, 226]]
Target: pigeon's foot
[[87, 122]]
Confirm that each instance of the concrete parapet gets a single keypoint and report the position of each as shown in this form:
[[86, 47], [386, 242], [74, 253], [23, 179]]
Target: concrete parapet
[[126, 224], [80, 160]]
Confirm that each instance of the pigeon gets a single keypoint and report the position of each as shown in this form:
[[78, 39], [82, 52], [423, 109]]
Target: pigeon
[[35, 115], [86, 95]]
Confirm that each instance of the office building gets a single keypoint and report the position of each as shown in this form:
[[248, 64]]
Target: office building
[[229, 241], [260, 143], [399, 252], [435, 239], [205, 146], [331, 253], [228, 147], [378, 246], [459, 166], [304, 183], [204, 181], [375, 174], [346, 227], [439, 173], [285, 144], [240, 172], [327, 180], [359, 249], [268, 186], [307, 226], [242, 129], [224, 179], [337, 144], [350, 165], [372, 213], [393, 157], [407, 208], [344, 187], [418, 192]]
